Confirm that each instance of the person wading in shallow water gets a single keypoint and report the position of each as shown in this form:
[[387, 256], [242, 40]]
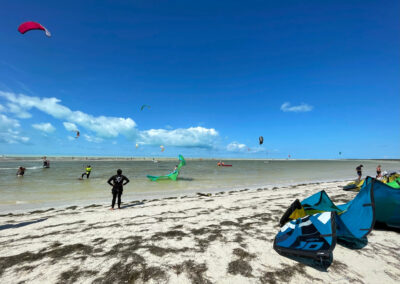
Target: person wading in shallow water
[[87, 172], [117, 182], [359, 172]]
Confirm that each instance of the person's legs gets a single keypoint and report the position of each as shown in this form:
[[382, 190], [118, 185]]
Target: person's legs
[[114, 193], [83, 175], [87, 175], [119, 199]]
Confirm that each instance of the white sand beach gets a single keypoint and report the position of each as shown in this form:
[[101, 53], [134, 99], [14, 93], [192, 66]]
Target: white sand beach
[[225, 238]]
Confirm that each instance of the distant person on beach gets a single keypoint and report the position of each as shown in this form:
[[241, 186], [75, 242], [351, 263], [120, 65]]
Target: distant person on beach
[[46, 163], [117, 182], [88, 171], [21, 171], [359, 172], [378, 171]]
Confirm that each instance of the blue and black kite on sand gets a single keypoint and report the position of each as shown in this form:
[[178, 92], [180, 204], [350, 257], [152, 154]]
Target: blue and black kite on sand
[[310, 228]]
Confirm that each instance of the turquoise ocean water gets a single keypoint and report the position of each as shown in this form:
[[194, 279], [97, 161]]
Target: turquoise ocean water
[[59, 185]]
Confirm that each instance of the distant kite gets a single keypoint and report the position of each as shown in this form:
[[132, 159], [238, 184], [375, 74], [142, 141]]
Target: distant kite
[[162, 148], [137, 145], [261, 140], [28, 26], [77, 134], [340, 153], [143, 106]]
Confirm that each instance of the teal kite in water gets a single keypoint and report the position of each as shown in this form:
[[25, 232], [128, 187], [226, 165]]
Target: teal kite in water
[[173, 175]]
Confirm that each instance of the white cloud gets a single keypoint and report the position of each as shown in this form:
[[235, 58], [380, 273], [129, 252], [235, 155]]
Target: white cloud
[[18, 111], [182, 137], [8, 132], [70, 138], [286, 107], [236, 147], [92, 138], [7, 123], [103, 126], [45, 127], [111, 127], [2, 108], [70, 126]]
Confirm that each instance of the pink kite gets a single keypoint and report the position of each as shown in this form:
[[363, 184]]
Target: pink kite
[[28, 26]]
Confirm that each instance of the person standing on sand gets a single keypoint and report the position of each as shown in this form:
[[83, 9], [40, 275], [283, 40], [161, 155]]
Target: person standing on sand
[[378, 171], [359, 172], [117, 187]]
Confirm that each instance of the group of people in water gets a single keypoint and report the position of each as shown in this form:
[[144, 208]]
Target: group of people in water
[[359, 172], [116, 181]]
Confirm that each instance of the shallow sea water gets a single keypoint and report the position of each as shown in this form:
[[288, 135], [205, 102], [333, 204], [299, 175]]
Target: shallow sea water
[[59, 185]]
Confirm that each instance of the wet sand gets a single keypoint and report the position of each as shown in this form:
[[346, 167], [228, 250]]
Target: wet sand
[[223, 238]]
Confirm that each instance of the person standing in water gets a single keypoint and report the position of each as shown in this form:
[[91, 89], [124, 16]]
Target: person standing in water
[[359, 172], [88, 171], [21, 171], [117, 182], [46, 163], [378, 171]]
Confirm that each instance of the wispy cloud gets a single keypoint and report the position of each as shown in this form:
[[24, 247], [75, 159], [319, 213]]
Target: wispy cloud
[[17, 111], [70, 126], [45, 127], [92, 139], [9, 132], [236, 147], [182, 137], [286, 107]]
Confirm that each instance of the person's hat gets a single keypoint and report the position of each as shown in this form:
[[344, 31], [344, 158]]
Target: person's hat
[[361, 166]]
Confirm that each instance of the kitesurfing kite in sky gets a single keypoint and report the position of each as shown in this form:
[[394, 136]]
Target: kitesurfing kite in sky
[[261, 140], [28, 26], [162, 148], [143, 106], [77, 134]]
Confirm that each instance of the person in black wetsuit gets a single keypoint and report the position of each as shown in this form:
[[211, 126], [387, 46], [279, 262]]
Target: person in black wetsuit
[[359, 172], [21, 171], [117, 182]]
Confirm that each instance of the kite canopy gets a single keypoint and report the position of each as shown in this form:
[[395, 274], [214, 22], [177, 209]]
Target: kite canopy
[[171, 176], [312, 236], [261, 140], [354, 219], [137, 145], [162, 148], [28, 26], [77, 134], [144, 106]]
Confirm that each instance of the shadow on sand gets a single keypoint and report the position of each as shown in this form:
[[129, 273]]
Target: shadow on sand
[[383, 227], [351, 243], [19, 225], [320, 265], [131, 205]]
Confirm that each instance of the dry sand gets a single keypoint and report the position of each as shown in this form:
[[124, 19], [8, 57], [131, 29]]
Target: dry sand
[[225, 238]]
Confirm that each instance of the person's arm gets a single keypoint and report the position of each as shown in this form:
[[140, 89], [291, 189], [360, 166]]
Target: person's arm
[[109, 181], [126, 180]]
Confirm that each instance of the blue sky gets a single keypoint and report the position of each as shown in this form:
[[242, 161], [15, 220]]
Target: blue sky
[[315, 78]]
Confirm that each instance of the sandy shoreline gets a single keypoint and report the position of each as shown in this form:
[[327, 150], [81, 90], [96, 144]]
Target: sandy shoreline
[[225, 238]]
